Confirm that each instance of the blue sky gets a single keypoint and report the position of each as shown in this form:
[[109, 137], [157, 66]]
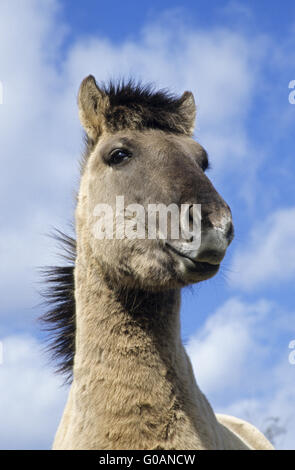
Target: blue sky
[[238, 59]]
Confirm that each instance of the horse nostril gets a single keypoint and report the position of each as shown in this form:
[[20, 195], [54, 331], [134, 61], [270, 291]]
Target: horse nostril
[[230, 233]]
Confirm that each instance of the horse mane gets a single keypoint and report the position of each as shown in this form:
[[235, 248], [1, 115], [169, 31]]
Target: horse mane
[[158, 109], [155, 106], [59, 319]]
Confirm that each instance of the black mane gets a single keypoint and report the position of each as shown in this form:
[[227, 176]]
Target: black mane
[[60, 318], [138, 106], [132, 94]]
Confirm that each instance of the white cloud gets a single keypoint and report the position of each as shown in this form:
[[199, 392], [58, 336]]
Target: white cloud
[[31, 397], [240, 359], [268, 257], [219, 350], [276, 409], [40, 143]]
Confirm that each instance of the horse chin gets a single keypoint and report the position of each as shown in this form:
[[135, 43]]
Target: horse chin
[[197, 271], [193, 271]]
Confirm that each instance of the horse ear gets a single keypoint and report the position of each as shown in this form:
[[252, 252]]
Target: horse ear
[[188, 112], [92, 102]]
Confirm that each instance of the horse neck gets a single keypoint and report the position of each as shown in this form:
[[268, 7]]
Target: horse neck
[[133, 385]]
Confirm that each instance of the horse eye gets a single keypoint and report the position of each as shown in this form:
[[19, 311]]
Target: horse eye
[[118, 156]]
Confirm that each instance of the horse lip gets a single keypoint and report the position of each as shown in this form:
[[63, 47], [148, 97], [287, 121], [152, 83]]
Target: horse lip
[[198, 263]]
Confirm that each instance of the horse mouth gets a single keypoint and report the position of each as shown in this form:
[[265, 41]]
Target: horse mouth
[[200, 267]]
